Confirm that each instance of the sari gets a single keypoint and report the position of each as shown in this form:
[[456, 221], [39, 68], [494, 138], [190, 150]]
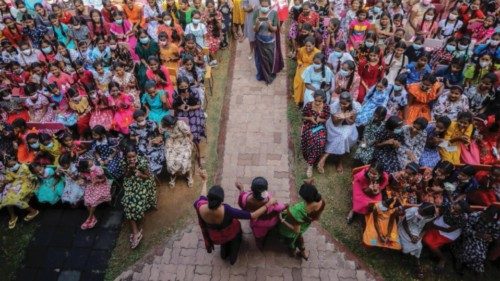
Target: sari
[[384, 216], [268, 57], [297, 215], [361, 200], [304, 59]]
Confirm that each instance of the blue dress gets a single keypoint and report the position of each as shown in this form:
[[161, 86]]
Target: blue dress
[[430, 156], [62, 34], [50, 187], [156, 110], [108, 150], [372, 100], [315, 79]]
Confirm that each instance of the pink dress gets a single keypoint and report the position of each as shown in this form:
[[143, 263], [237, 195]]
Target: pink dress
[[361, 201], [118, 29], [124, 111], [97, 187], [267, 221], [36, 109], [102, 113], [64, 81]]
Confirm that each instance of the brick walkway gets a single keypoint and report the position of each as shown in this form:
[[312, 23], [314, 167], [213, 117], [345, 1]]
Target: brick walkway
[[256, 145]]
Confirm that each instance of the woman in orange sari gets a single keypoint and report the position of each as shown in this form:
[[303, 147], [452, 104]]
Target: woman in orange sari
[[419, 97], [133, 12]]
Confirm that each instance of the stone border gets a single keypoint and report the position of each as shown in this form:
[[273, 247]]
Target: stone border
[[295, 197]]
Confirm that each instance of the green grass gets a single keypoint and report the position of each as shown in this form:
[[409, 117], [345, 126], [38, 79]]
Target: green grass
[[122, 257], [336, 190], [13, 244]]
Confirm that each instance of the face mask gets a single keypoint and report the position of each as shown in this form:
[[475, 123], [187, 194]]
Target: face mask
[[452, 17], [369, 44], [376, 9], [196, 21], [493, 43], [264, 10], [119, 21], [265, 194], [484, 64], [22, 10], [297, 6], [35, 145], [77, 27], [34, 97], [168, 22], [416, 46], [144, 40], [450, 48], [429, 17], [450, 187], [27, 52], [337, 54], [7, 97], [142, 123], [47, 50], [113, 47], [398, 88], [316, 65], [398, 130], [462, 47], [343, 72], [15, 167], [19, 71], [474, 7], [50, 145]]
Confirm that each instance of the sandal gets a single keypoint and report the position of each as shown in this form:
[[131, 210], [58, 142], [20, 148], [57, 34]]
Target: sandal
[[85, 224], [190, 181], [302, 254], [171, 183], [30, 217], [309, 172], [136, 240], [350, 218], [92, 223], [12, 223]]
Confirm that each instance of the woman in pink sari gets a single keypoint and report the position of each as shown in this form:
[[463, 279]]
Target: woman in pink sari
[[366, 189], [124, 32], [123, 107], [251, 201]]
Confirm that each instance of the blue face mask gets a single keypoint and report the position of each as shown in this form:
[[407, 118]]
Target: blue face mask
[[337, 54], [50, 145], [316, 65], [264, 10], [398, 88], [120, 21], [144, 40], [398, 130], [416, 46], [297, 6], [450, 48], [369, 44], [343, 72], [376, 9], [15, 167], [195, 21], [35, 145]]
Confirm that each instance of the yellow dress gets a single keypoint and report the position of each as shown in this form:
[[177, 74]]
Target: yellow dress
[[304, 59], [238, 13], [54, 150], [451, 152], [168, 52], [370, 236], [19, 188]]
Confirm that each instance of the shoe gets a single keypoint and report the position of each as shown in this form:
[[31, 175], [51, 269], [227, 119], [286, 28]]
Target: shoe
[[13, 222], [31, 216]]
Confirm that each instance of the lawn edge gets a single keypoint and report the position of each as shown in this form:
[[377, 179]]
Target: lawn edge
[[293, 187]]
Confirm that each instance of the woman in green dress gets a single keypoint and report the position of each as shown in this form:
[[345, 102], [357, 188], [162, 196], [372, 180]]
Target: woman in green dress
[[145, 48], [139, 192], [295, 221]]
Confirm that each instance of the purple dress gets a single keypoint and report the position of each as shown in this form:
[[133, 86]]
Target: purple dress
[[196, 117]]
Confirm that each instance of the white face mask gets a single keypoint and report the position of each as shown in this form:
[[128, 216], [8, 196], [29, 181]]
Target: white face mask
[[452, 17], [484, 64], [265, 194], [27, 52], [168, 22], [429, 17]]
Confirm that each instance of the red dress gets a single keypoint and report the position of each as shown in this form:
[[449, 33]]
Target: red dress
[[370, 74], [166, 85], [14, 37]]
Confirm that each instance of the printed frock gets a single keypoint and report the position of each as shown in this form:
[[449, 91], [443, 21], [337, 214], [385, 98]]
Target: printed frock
[[50, 187], [108, 150], [19, 189], [97, 187], [313, 139], [178, 149], [155, 154], [73, 192], [139, 194], [196, 117]]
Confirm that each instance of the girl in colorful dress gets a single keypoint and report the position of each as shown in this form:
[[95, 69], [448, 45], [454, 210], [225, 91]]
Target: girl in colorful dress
[[50, 186], [305, 57], [387, 140], [449, 26], [139, 192], [331, 36], [213, 19], [458, 134], [474, 72], [482, 95], [194, 74], [450, 103], [178, 148], [187, 103], [428, 26], [120, 53], [152, 14], [73, 192], [198, 29], [62, 79], [144, 49], [18, 185], [398, 97], [62, 32], [127, 82], [371, 70], [384, 29], [357, 29], [238, 19], [106, 151], [420, 95], [160, 75], [123, 107], [155, 102], [80, 104], [413, 144], [172, 29], [101, 113], [313, 139], [97, 25], [124, 32], [38, 105], [482, 31], [395, 62], [364, 152], [378, 95], [169, 52], [148, 141], [435, 136], [97, 189], [316, 77], [381, 225], [347, 79]]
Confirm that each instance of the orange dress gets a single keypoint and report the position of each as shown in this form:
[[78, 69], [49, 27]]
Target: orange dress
[[169, 31], [134, 15], [25, 154], [419, 105]]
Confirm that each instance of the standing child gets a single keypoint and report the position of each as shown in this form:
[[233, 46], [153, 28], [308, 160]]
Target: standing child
[[97, 189], [357, 29], [73, 192]]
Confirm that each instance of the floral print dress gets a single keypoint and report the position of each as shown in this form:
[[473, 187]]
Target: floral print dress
[[107, 149], [178, 149], [97, 187], [36, 109], [414, 144], [154, 153], [73, 192], [139, 194], [387, 156], [313, 139]]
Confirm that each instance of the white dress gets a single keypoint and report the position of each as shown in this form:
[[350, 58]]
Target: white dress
[[340, 138]]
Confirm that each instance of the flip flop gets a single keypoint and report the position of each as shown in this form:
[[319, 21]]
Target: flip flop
[[92, 223], [137, 240], [12, 223], [31, 216]]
